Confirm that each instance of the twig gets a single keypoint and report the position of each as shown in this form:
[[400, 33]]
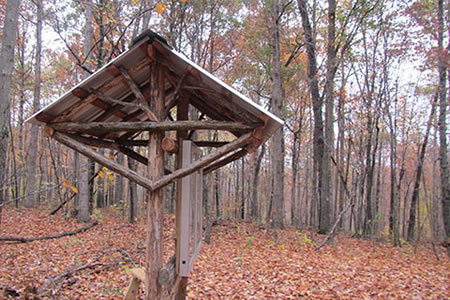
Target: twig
[[435, 252], [92, 263], [350, 204], [328, 237], [48, 237], [67, 273]]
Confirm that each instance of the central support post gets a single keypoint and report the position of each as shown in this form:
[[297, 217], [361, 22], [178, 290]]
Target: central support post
[[155, 201]]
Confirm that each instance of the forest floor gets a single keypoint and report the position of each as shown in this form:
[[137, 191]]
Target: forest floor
[[243, 261]]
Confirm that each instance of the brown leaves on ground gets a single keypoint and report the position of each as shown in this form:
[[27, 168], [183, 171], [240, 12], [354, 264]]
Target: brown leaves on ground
[[243, 261]]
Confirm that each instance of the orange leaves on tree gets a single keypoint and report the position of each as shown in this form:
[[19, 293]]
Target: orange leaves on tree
[[160, 8], [69, 186]]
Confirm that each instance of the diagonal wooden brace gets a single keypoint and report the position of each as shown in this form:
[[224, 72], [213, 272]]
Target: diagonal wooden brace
[[240, 142], [204, 161], [100, 159]]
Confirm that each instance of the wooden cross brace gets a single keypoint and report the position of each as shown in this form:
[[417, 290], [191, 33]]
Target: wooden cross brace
[[205, 161]]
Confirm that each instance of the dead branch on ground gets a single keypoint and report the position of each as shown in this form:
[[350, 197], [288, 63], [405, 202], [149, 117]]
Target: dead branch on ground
[[48, 237]]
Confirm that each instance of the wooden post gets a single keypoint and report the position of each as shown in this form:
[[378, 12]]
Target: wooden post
[[155, 203], [182, 114]]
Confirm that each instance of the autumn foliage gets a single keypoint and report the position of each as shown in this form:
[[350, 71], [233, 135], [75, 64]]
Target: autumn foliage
[[243, 261]]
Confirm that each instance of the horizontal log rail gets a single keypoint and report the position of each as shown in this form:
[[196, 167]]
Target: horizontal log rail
[[144, 143], [107, 127], [205, 161]]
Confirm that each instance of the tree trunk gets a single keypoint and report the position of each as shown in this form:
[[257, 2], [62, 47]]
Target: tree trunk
[[325, 194], [443, 154], [101, 181], [30, 189], [216, 193], [415, 194], [84, 187], [83, 191], [133, 193], [118, 184], [243, 188], [317, 104], [277, 102], [254, 204], [6, 63]]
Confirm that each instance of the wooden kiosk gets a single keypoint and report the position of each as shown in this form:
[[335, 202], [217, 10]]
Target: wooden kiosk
[[135, 101]]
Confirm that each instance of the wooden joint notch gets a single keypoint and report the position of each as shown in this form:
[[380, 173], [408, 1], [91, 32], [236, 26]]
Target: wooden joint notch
[[160, 49], [44, 117], [151, 52], [226, 93], [48, 131], [80, 93], [194, 73], [256, 139], [113, 70]]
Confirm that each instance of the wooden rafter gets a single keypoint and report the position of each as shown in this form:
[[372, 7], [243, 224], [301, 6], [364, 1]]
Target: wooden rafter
[[173, 101], [111, 100], [138, 93]]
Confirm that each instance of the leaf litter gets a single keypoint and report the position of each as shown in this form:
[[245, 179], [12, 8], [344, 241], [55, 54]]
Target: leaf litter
[[243, 261]]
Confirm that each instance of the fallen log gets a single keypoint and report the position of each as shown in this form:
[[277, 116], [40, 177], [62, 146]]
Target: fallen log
[[48, 237]]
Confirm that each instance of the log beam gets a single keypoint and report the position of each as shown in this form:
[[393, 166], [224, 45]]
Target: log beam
[[144, 143], [138, 93], [223, 162], [106, 127], [113, 101], [176, 93], [203, 162], [100, 159], [210, 144], [169, 145]]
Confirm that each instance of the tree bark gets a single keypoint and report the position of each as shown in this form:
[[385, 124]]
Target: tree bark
[[325, 194], [416, 190], [155, 203], [118, 184], [6, 63], [84, 187], [277, 102], [30, 195], [254, 204], [317, 105], [132, 195], [443, 152]]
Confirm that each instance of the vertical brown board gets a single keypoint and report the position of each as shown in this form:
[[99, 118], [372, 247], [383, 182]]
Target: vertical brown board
[[155, 203], [182, 114]]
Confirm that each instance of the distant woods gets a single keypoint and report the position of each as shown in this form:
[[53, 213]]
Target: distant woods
[[361, 85]]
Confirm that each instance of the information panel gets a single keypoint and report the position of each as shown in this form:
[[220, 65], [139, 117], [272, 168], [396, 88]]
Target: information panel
[[191, 211]]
